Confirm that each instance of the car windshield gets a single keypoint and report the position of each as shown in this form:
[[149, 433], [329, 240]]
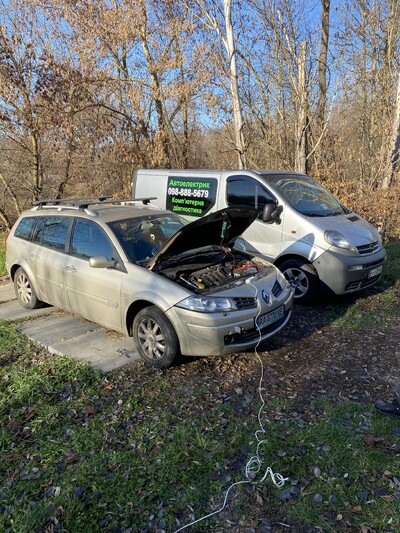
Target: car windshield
[[143, 237], [306, 196]]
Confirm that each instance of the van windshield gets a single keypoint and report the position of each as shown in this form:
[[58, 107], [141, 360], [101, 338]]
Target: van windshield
[[305, 195]]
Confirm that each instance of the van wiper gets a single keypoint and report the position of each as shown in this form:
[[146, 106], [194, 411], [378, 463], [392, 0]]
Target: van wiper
[[311, 214], [329, 214]]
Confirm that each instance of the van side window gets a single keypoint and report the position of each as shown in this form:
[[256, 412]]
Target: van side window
[[243, 190], [25, 227], [89, 240]]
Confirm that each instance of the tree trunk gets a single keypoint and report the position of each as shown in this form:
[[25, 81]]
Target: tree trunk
[[6, 221], [302, 105], [156, 92], [394, 148], [229, 43], [14, 198], [322, 72]]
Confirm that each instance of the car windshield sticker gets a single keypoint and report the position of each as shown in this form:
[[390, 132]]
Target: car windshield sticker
[[191, 196]]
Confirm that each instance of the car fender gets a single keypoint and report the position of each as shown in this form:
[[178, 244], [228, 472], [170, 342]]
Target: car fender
[[21, 262], [165, 295]]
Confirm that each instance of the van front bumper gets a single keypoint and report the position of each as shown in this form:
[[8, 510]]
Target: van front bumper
[[343, 274]]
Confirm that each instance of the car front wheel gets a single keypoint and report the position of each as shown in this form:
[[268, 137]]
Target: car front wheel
[[24, 290], [303, 278], [155, 337]]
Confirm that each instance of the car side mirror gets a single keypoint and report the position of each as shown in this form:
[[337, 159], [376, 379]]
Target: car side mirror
[[101, 262], [272, 213]]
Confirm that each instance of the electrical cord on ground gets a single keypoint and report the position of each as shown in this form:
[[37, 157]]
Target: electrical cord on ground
[[254, 464]]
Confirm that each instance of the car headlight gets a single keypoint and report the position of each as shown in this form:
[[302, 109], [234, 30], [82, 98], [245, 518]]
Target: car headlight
[[207, 304], [280, 278], [335, 238]]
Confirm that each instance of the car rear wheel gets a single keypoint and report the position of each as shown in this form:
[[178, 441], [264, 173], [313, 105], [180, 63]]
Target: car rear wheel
[[155, 337], [303, 278], [24, 291]]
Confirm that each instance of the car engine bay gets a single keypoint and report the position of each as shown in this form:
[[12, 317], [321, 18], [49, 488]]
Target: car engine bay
[[203, 277]]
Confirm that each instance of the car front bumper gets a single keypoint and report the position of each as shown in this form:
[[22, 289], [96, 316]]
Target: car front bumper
[[204, 334]]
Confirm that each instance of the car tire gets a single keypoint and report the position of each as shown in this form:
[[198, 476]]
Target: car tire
[[24, 290], [155, 337], [303, 277]]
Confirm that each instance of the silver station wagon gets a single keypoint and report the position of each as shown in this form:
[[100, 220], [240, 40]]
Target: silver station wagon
[[176, 288]]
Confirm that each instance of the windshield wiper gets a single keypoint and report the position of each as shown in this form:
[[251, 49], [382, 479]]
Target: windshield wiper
[[329, 214]]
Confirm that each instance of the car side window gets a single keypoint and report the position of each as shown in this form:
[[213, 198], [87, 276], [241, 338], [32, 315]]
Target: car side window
[[89, 240], [25, 228], [52, 232], [243, 190]]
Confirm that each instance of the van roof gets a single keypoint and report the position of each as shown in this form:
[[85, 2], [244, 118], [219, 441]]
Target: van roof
[[218, 171]]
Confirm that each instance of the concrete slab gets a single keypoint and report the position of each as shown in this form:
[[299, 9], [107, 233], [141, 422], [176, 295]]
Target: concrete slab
[[75, 337], [12, 310], [67, 335], [7, 292]]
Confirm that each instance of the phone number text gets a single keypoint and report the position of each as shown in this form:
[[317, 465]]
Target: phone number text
[[196, 193]]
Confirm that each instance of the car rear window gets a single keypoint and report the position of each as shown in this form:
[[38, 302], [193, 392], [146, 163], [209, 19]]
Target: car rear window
[[52, 232], [25, 227]]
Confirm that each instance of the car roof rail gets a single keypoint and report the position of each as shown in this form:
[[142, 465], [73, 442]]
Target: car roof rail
[[76, 202], [83, 203], [145, 201]]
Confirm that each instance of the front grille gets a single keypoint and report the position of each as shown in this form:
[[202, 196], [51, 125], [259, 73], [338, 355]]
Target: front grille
[[276, 289], [373, 264], [363, 284], [245, 303], [370, 248]]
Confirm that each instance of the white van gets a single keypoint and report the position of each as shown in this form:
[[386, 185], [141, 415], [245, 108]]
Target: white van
[[320, 245]]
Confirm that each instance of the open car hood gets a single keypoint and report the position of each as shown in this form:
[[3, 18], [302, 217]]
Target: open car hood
[[221, 228]]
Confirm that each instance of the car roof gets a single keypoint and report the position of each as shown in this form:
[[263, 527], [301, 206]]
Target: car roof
[[105, 211], [109, 213]]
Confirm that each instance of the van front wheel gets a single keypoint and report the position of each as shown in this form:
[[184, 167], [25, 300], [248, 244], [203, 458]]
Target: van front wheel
[[303, 278]]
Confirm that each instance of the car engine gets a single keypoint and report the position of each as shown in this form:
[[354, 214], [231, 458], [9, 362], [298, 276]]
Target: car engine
[[218, 275]]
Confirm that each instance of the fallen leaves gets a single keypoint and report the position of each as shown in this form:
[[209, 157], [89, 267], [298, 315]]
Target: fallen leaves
[[372, 441]]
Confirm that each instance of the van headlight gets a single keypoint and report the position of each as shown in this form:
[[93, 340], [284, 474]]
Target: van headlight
[[335, 238], [207, 304]]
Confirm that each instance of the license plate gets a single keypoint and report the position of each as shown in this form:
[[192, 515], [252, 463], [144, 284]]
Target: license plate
[[269, 318], [375, 271]]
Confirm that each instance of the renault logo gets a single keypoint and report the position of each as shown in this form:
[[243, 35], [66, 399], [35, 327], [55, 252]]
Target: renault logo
[[266, 297]]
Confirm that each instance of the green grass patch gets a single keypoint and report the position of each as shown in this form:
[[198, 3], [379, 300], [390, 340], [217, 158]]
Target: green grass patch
[[391, 272], [3, 271], [146, 449], [380, 307]]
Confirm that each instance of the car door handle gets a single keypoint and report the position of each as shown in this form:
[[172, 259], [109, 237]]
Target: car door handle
[[69, 268]]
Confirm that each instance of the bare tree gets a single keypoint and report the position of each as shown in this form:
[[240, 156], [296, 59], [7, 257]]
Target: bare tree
[[394, 146], [369, 42], [323, 65], [301, 154], [217, 17], [21, 65]]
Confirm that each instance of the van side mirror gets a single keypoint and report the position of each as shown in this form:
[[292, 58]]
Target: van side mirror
[[272, 213]]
